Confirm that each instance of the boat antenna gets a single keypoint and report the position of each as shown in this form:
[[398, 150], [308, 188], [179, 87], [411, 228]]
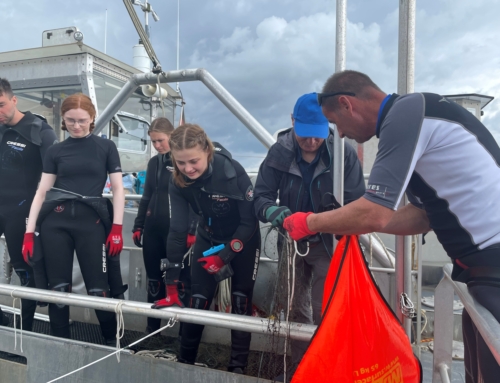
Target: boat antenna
[[105, 29], [144, 34], [178, 32]]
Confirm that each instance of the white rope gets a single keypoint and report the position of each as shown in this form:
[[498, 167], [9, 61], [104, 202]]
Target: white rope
[[120, 326], [158, 354], [297, 250], [379, 240], [188, 254], [170, 323], [224, 294], [20, 319]]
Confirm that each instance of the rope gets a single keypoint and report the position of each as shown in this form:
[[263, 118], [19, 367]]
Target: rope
[[297, 250], [120, 326], [170, 323], [20, 319], [224, 294], [158, 354], [188, 254]]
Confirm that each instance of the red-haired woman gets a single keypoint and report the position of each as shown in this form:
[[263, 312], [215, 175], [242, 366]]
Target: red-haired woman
[[71, 214]]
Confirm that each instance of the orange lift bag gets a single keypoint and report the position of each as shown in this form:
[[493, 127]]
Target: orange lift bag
[[359, 339]]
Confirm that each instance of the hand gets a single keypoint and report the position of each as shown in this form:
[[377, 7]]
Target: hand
[[114, 243], [171, 298], [277, 214], [28, 245], [190, 240], [212, 263], [296, 225], [137, 236]]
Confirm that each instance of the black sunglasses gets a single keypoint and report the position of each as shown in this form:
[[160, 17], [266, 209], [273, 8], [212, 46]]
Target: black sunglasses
[[322, 96]]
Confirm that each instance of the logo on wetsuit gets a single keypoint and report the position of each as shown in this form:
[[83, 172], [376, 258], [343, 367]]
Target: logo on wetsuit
[[170, 169], [104, 268], [59, 208], [220, 204], [16, 145], [249, 193]]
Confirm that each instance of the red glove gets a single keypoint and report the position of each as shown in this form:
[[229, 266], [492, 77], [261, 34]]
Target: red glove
[[171, 298], [114, 243], [191, 239], [296, 225], [137, 236], [212, 263], [28, 245]]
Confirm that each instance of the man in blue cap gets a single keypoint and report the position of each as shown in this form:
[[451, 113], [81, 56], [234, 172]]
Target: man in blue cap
[[299, 166]]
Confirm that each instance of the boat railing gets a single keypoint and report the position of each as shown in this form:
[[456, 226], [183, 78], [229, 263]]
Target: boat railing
[[292, 330], [487, 325]]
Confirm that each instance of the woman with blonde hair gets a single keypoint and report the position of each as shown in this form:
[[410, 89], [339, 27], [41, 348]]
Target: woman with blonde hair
[[227, 238], [69, 212]]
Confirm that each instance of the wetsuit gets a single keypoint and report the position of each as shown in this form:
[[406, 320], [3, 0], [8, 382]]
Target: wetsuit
[[154, 220], [223, 198], [449, 165], [81, 166], [22, 149]]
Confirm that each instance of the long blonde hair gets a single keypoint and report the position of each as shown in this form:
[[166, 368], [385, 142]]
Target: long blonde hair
[[186, 137]]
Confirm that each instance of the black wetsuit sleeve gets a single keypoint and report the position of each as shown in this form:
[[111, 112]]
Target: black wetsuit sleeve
[[179, 223], [248, 222], [49, 161], [113, 164], [149, 187], [48, 137], [193, 221], [266, 189], [354, 183]]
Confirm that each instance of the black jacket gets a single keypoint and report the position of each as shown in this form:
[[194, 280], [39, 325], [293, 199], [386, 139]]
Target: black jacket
[[280, 172], [223, 199]]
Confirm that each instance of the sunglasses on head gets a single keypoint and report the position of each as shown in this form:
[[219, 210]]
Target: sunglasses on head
[[322, 96]]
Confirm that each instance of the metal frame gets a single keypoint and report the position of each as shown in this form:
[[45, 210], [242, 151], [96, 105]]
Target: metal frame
[[487, 325], [182, 76]]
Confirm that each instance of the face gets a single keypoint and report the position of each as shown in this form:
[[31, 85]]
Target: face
[[191, 162], [77, 122], [160, 142], [309, 144], [7, 109], [350, 124]]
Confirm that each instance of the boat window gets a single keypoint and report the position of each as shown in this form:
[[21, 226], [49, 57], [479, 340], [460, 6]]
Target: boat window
[[46, 102], [129, 133]]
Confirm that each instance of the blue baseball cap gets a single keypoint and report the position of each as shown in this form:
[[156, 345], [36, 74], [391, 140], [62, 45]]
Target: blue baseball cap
[[309, 119]]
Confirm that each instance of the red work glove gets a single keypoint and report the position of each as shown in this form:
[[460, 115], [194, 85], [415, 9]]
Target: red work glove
[[212, 263], [114, 243], [191, 239], [296, 225], [28, 245], [137, 237], [171, 298]]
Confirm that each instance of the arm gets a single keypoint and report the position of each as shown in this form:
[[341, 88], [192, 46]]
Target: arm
[[266, 190], [146, 195], [363, 216], [118, 197], [179, 223], [248, 222], [46, 182], [48, 139]]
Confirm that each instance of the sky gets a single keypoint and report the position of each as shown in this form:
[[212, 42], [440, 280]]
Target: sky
[[267, 53]]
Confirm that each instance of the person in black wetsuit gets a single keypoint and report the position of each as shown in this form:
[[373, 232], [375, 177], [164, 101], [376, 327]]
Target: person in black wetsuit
[[220, 192], [152, 222], [24, 140], [74, 216]]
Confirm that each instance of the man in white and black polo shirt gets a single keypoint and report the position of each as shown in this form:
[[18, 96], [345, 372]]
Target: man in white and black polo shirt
[[448, 164]]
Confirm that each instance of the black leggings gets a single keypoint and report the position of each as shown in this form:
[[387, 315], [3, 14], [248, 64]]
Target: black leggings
[[13, 225], [70, 227], [154, 241], [203, 286], [479, 361]]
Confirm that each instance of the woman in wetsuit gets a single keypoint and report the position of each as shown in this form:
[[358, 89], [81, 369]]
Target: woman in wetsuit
[[220, 192], [153, 221], [74, 216]]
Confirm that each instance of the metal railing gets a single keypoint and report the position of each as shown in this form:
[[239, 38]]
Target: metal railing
[[488, 326], [298, 331]]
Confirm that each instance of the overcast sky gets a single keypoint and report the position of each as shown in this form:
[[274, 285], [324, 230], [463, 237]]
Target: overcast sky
[[268, 53]]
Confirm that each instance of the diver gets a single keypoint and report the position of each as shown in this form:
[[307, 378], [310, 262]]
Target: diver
[[24, 140], [152, 222], [71, 215], [227, 238]]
